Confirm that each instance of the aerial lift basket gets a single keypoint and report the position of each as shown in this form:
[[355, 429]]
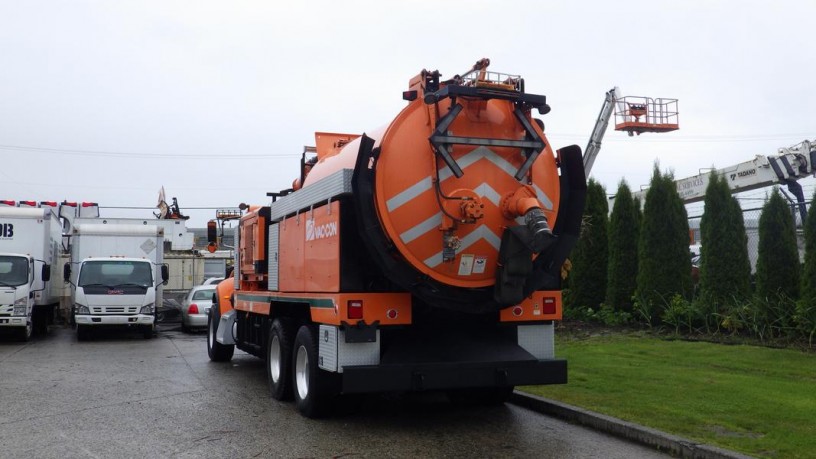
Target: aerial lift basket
[[636, 115]]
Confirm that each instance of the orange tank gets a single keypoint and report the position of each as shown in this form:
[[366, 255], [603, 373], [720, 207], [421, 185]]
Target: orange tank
[[463, 171]]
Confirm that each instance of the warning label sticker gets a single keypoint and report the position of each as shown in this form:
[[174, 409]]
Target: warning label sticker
[[479, 264], [466, 265]]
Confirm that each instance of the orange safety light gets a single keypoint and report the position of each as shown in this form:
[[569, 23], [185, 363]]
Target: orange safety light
[[355, 309], [28, 203], [7, 202], [89, 204], [48, 203]]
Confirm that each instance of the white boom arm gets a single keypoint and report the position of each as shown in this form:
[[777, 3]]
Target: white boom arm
[[594, 145], [788, 166]]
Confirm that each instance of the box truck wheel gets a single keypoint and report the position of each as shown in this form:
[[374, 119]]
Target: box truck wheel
[[83, 332], [147, 331], [25, 332], [313, 387], [279, 358], [218, 352]]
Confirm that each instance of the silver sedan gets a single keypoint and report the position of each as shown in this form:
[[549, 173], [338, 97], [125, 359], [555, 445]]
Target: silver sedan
[[196, 306]]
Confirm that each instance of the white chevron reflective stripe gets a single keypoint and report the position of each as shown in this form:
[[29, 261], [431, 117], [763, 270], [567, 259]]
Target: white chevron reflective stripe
[[445, 173], [542, 197], [484, 190], [417, 231], [410, 193], [482, 232]]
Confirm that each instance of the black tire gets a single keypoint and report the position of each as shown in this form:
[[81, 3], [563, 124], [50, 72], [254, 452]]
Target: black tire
[[83, 333], [483, 396], [26, 333], [279, 358], [147, 331], [218, 352], [184, 328], [40, 318], [313, 388]]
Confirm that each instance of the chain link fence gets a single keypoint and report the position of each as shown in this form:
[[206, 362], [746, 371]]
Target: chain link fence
[[751, 219]]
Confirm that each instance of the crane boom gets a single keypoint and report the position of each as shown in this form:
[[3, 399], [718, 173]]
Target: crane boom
[[594, 144], [786, 167]]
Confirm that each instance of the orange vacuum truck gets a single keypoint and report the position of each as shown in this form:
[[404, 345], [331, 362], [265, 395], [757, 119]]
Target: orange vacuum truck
[[424, 255]]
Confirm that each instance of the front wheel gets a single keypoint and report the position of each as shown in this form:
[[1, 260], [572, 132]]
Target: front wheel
[[83, 332], [313, 387], [218, 352], [26, 332]]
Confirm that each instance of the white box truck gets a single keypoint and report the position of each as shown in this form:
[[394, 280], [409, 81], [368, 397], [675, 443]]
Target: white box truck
[[29, 246], [116, 274]]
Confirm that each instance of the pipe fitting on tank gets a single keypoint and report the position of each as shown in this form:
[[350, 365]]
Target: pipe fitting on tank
[[539, 229], [519, 202]]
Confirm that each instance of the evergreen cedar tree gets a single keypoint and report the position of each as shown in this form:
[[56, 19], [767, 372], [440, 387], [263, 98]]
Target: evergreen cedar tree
[[725, 270], [808, 294], [623, 250], [589, 257], [664, 263], [777, 269]]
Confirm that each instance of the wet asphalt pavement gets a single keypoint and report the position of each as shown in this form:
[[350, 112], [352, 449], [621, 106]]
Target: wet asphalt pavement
[[120, 395]]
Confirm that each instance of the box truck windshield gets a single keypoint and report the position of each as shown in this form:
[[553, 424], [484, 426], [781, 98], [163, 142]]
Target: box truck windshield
[[114, 273], [13, 270]]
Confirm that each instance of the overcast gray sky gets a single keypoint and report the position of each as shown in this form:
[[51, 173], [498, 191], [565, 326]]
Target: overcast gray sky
[[107, 101]]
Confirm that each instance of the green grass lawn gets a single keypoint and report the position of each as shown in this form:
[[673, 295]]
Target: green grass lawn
[[755, 400]]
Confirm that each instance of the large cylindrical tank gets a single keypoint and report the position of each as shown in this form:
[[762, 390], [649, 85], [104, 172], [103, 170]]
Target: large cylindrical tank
[[447, 221]]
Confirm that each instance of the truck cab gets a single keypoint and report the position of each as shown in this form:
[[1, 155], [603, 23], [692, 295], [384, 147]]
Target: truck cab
[[18, 286], [115, 292]]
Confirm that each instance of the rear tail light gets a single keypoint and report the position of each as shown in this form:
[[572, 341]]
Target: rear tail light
[[193, 309], [549, 305], [355, 309]]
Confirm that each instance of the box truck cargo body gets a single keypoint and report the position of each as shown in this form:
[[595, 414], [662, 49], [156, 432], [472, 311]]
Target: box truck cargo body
[[116, 275], [29, 245]]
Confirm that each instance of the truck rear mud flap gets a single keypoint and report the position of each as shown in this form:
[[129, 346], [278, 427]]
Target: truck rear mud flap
[[436, 376]]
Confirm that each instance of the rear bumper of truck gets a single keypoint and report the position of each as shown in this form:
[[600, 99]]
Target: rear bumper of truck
[[436, 376], [98, 320]]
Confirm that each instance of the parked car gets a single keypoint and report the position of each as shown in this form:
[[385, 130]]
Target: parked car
[[212, 281], [196, 306]]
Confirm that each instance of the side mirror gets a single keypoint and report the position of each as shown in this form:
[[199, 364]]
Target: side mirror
[[165, 273], [46, 273], [66, 272]]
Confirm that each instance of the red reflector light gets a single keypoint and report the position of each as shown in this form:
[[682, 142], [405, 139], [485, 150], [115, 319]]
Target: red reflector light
[[549, 306], [355, 309], [409, 95], [28, 203], [193, 309], [518, 311], [6, 202]]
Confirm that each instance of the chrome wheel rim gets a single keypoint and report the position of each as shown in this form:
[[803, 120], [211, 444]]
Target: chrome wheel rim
[[302, 372], [275, 359], [211, 334]]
